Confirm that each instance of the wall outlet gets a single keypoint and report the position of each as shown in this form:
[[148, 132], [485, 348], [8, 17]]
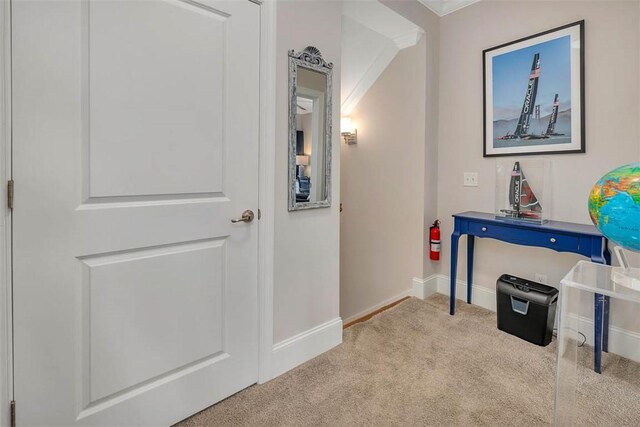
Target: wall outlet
[[471, 179], [541, 278]]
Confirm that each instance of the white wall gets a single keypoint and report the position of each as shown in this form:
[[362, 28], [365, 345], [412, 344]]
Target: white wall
[[612, 43], [381, 243], [306, 264], [388, 178], [430, 23]]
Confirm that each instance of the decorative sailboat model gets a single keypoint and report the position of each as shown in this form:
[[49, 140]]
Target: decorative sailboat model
[[523, 203]]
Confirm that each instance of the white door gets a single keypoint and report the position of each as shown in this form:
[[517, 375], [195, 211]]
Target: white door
[[135, 142]]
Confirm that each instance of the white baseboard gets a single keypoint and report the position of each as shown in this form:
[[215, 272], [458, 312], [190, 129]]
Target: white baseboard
[[421, 288], [424, 288], [408, 292], [303, 347], [621, 341], [480, 296]]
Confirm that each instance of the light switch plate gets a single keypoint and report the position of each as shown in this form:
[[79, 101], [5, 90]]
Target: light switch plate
[[471, 179]]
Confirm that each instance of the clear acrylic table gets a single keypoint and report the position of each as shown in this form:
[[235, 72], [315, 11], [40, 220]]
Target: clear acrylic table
[[579, 287]]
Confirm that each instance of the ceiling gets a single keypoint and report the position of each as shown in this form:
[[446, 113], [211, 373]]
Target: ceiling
[[381, 19], [372, 35], [305, 105], [443, 7]]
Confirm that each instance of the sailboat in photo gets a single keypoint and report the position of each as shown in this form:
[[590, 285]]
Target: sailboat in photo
[[553, 118], [528, 106]]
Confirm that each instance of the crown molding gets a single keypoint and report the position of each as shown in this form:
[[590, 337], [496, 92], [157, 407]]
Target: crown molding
[[383, 20], [444, 7], [408, 39], [368, 78]]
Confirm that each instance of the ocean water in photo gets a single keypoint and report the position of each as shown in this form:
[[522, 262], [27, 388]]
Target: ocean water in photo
[[508, 143], [537, 127]]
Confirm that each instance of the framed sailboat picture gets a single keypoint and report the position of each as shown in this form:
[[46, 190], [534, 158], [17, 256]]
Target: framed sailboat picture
[[534, 94]]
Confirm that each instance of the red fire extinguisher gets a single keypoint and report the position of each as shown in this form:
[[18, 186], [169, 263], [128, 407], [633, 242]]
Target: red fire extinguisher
[[434, 240]]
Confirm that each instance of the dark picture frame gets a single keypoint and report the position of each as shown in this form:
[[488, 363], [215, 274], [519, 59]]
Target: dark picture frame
[[544, 114]]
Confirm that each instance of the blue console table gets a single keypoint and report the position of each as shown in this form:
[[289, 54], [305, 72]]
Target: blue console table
[[560, 236]]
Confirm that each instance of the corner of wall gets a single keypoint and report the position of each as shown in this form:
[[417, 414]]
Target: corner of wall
[[303, 347], [424, 288]]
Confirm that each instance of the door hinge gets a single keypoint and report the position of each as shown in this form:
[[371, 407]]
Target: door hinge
[[10, 194], [12, 407]]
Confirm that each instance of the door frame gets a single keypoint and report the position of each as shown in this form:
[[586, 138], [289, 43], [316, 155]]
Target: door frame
[[266, 186], [6, 327], [266, 202]]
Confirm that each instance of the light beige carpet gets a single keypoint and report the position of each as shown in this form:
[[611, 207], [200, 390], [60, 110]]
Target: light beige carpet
[[416, 365]]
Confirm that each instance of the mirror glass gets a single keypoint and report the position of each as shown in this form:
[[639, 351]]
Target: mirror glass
[[310, 136], [309, 131]]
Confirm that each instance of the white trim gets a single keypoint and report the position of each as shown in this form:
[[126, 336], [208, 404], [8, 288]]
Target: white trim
[[424, 288], [367, 80], [442, 8], [621, 341], [6, 362], [480, 296], [298, 349], [408, 292], [266, 186], [383, 20], [408, 39]]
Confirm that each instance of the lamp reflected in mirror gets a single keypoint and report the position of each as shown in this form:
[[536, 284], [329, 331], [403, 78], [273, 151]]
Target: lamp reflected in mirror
[[303, 178], [302, 162]]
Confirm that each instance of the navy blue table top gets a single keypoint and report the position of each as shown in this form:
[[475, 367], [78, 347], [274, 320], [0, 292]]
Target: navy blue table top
[[553, 226]]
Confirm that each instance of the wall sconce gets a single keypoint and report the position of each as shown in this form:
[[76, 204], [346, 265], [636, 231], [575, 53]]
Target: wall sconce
[[347, 131]]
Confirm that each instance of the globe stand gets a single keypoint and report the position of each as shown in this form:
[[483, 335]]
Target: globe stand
[[625, 275]]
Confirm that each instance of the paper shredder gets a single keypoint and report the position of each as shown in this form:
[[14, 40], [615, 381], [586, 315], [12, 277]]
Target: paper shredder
[[526, 309]]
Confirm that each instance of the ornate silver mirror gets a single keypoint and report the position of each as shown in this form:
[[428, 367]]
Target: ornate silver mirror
[[310, 103]]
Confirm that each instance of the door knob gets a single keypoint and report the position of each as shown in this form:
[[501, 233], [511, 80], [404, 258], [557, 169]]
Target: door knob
[[247, 216]]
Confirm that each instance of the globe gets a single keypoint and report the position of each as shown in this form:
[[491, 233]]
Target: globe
[[614, 206]]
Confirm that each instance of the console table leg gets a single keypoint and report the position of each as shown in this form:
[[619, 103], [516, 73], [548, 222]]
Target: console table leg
[[600, 254], [470, 245], [597, 345], [455, 236], [605, 320], [605, 324], [607, 253]]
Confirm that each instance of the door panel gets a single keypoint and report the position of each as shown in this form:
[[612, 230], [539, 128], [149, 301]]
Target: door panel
[[173, 296], [169, 116], [135, 135]]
